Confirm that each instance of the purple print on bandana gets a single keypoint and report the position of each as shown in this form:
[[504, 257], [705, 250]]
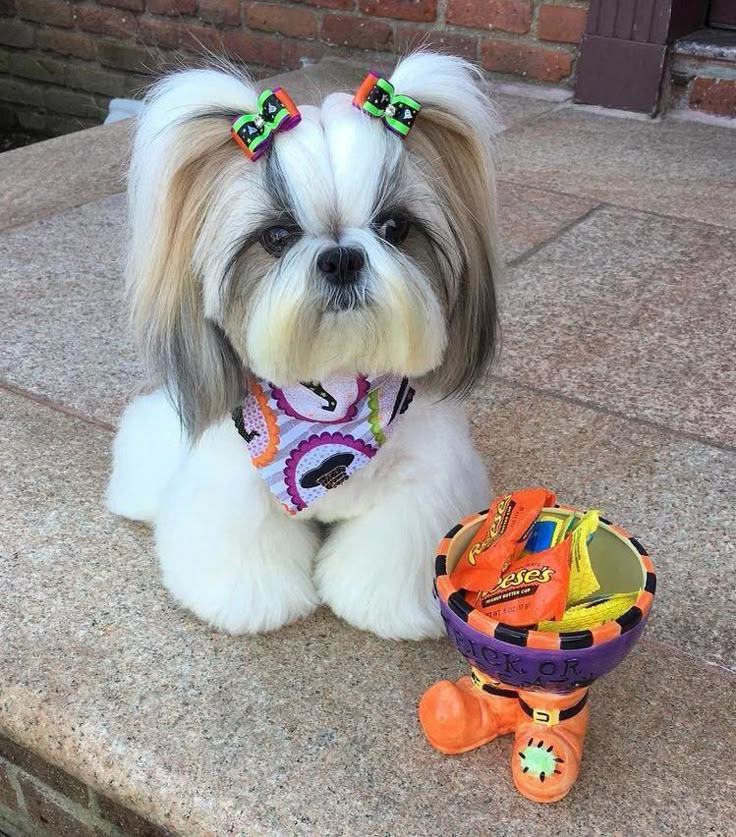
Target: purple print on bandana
[[321, 463], [310, 438], [313, 402]]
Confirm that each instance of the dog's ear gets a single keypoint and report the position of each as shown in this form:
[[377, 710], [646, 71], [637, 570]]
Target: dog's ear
[[180, 157], [452, 140]]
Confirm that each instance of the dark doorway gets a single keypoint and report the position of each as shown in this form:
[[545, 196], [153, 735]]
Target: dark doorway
[[722, 14], [623, 56]]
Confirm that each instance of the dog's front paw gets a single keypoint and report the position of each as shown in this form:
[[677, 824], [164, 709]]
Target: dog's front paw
[[237, 579], [226, 551], [376, 573]]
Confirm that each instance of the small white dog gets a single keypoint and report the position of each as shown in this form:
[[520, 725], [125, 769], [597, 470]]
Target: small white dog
[[350, 258]]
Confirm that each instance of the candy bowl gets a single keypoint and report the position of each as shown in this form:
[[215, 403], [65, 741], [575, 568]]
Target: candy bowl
[[532, 682]]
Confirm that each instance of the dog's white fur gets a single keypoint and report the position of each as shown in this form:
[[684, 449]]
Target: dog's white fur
[[227, 550]]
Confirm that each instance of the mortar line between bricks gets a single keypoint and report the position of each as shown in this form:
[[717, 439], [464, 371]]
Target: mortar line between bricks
[[607, 411], [44, 401], [527, 254], [611, 205]]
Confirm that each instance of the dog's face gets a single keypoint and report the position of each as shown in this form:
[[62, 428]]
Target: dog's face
[[342, 250]]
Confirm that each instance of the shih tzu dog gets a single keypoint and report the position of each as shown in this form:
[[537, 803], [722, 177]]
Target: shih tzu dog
[[313, 292]]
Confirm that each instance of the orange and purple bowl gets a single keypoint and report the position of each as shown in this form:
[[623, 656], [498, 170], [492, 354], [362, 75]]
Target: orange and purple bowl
[[531, 659]]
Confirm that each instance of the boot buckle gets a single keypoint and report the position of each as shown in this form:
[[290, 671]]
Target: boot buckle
[[548, 717]]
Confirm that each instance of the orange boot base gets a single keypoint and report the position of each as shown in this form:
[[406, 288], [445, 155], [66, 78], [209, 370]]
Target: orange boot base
[[549, 745], [460, 717]]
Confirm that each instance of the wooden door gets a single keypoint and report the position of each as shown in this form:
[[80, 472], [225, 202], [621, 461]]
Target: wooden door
[[722, 14]]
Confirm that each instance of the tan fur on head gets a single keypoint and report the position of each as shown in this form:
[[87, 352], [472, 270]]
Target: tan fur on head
[[166, 298], [460, 162]]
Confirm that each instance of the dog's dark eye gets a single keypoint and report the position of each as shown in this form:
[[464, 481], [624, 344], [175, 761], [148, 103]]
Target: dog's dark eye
[[276, 239], [393, 228]]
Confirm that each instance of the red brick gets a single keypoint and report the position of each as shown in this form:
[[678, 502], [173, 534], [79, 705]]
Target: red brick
[[133, 5], [344, 5], [254, 49], [422, 10], [564, 24], [297, 53], [130, 823], [44, 811], [37, 67], [50, 775], [412, 37], [509, 15], [530, 61], [220, 11], [714, 96], [20, 92], [356, 32], [163, 33], [125, 57], [106, 21], [58, 124], [199, 39], [173, 8], [8, 797], [67, 43], [288, 20], [16, 34], [51, 12], [95, 80]]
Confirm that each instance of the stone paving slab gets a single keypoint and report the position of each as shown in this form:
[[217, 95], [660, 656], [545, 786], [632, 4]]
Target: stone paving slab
[[633, 313], [514, 110], [52, 176], [310, 730], [62, 314], [687, 170], [528, 217], [666, 490]]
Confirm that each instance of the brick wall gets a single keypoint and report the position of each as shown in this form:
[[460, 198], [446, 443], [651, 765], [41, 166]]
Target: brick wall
[[61, 61], [39, 799]]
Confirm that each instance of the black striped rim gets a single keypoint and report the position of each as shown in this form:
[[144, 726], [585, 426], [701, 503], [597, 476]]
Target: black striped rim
[[639, 548], [576, 639], [454, 531], [519, 636], [459, 606], [514, 636], [630, 619], [604, 520], [440, 565]]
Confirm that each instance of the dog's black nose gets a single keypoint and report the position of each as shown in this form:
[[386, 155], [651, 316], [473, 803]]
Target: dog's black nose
[[341, 265]]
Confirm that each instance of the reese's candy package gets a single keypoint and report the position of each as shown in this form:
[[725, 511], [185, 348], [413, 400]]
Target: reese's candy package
[[500, 538], [532, 587]]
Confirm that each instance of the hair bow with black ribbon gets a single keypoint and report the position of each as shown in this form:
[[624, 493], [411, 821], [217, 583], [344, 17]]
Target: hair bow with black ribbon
[[254, 132], [377, 97]]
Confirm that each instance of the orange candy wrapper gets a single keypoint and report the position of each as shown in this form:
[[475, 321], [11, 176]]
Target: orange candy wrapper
[[515, 588]]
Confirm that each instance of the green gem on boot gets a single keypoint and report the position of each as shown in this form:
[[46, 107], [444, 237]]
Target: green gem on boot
[[539, 761]]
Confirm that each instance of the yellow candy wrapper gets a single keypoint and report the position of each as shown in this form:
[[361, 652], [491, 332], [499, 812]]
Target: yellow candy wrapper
[[591, 614]]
